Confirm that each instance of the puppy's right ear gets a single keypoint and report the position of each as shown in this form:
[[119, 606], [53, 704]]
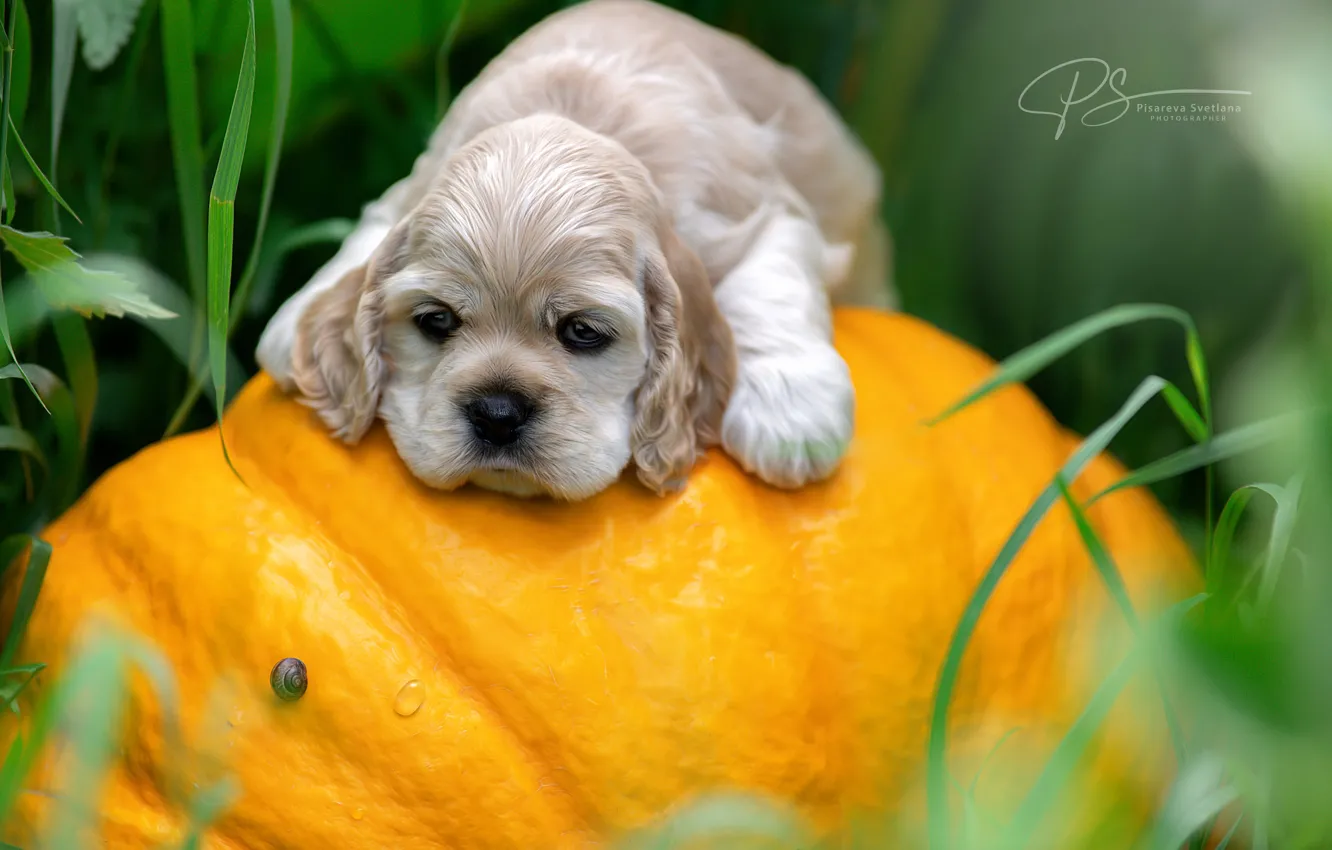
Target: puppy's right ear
[[336, 359]]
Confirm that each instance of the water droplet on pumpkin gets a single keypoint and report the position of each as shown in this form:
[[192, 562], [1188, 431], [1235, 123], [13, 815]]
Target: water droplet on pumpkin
[[358, 813], [409, 699], [236, 719]]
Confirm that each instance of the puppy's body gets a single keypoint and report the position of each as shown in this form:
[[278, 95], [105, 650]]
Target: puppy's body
[[624, 158]]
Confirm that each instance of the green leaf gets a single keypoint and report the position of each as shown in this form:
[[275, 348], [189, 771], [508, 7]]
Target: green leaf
[[67, 284], [1093, 445], [1224, 446], [221, 219], [37, 172], [39, 555], [17, 440], [105, 26], [1032, 359]]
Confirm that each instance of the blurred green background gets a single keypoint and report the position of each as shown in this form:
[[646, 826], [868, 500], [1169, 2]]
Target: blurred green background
[[1002, 232]]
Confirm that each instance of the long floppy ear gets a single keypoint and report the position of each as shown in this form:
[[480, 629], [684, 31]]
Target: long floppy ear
[[336, 360], [679, 407]]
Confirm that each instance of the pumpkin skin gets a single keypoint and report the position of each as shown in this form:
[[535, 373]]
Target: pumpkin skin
[[585, 667]]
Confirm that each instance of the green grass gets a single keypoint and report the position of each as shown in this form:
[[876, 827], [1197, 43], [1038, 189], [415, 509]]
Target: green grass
[[1231, 665]]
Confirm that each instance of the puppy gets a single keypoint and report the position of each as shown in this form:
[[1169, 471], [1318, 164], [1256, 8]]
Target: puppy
[[620, 247]]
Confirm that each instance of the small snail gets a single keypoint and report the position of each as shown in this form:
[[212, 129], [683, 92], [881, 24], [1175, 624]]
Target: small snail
[[288, 679]]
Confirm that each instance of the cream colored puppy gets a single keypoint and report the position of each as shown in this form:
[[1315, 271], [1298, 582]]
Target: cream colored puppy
[[619, 248]]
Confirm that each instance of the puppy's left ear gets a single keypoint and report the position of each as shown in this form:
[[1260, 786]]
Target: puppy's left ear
[[337, 365], [691, 368]]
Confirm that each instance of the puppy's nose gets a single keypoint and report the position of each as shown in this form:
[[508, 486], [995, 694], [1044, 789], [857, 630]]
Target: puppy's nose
[[497, 418]]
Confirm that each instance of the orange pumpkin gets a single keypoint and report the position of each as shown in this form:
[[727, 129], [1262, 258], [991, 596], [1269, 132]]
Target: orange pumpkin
[[572, 671]]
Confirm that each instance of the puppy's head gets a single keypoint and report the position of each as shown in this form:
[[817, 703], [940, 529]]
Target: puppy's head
[[531, 327]]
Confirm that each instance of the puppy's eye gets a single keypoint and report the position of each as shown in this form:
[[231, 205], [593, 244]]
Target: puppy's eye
[[438, 322], [578, 334]]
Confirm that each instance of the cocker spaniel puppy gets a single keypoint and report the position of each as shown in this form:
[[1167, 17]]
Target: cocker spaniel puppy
[[620, 247]]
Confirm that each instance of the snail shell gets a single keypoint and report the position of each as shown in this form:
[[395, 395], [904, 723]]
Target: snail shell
[[289, 679]]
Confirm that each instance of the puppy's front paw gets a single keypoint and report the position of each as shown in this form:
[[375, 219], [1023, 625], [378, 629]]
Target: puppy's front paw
[[790, 416]]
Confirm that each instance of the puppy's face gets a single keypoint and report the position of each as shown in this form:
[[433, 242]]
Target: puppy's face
[[532, 327]]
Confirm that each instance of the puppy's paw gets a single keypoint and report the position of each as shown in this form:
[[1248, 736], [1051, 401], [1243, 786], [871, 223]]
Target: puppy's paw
[[790, 416]]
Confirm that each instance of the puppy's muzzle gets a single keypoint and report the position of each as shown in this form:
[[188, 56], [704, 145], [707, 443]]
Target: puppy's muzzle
[[498, 418]]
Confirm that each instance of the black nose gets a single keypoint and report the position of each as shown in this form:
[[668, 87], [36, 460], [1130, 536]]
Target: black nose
[[497, 418]]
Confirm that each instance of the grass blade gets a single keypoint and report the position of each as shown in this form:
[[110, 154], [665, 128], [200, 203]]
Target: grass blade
[[9, 413], [1219, 448], [1036, 357], [39, 555], [328, 230], [221, 219], [1198, 796], [1114, 583], [37, 172], [7, 70], [1093, 445], [205, 808], [12, 773], [17, 440], [64, 40], [1278, 543], [76, 348], [92, 707], [9, 347], [15, 680], [724, 819], [1105, 565], [186, 150], [175, 333], [1218, 559], [55, 396], [443, 85], [1193, 352], [1058, 771], [1188, 417], [22, 64], [281, 100], [1230, 833]]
